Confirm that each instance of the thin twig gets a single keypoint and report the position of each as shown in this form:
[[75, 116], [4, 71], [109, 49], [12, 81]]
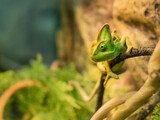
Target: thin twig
[[145, 51], [83, 93], [100, 92]]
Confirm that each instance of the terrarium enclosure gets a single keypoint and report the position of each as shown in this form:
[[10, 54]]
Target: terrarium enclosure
[[79, 60]]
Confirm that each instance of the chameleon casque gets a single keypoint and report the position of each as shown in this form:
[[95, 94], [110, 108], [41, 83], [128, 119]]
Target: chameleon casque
[[107, 47]]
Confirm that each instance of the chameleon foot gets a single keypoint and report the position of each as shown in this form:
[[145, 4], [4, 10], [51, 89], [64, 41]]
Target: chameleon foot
[[129, 44], [113, 75], [129, 49]]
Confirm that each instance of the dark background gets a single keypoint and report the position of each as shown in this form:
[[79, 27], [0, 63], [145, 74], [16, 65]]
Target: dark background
[[27, 27]]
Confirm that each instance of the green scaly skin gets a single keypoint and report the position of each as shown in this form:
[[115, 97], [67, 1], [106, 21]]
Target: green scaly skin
[[107, 47]]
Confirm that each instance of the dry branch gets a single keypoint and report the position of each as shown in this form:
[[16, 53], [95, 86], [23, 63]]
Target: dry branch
[[135, 52], [147, 90], [148, 108], [82, 92], [146, 51], [107, 107]]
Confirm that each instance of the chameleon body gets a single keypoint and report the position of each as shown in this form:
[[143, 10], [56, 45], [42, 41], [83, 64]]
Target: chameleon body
[[107, 47]]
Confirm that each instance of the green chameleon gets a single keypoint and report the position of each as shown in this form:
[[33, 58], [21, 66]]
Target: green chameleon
[[107, 47]]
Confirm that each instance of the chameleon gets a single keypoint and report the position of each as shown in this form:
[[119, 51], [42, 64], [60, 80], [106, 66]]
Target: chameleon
[[107, 47]]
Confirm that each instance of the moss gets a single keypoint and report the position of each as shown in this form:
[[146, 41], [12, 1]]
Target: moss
[[54, 99]]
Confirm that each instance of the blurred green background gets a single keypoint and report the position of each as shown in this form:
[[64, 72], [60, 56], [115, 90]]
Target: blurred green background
[[27, 28]]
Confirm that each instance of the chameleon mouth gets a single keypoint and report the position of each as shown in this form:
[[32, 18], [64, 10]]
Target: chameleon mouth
[[109, 52], [95, 58]]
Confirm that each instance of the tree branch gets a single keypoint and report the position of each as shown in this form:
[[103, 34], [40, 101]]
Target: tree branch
[[135, 52], [83, 93], [148, 108], [100, 92], [146, 51], [147, 90], [107, 107]]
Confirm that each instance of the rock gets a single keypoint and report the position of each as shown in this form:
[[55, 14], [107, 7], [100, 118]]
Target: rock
[[140, 20]]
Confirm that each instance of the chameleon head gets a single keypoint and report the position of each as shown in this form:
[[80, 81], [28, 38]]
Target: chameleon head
[[99, 51], [102, 48]]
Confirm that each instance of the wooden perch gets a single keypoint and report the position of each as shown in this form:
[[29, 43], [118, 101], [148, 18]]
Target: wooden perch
[[135, 52], [140, 97], [99, 88], [148, 108], [147, 90], [146, 51], [107, 107]]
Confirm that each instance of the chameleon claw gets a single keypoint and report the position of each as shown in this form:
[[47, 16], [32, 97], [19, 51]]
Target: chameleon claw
[[113, 75], [129, 44], [106, 80], [129, 49]]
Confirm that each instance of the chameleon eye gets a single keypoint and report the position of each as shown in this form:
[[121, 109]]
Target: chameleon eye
[[114, 38], [102, 46]]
